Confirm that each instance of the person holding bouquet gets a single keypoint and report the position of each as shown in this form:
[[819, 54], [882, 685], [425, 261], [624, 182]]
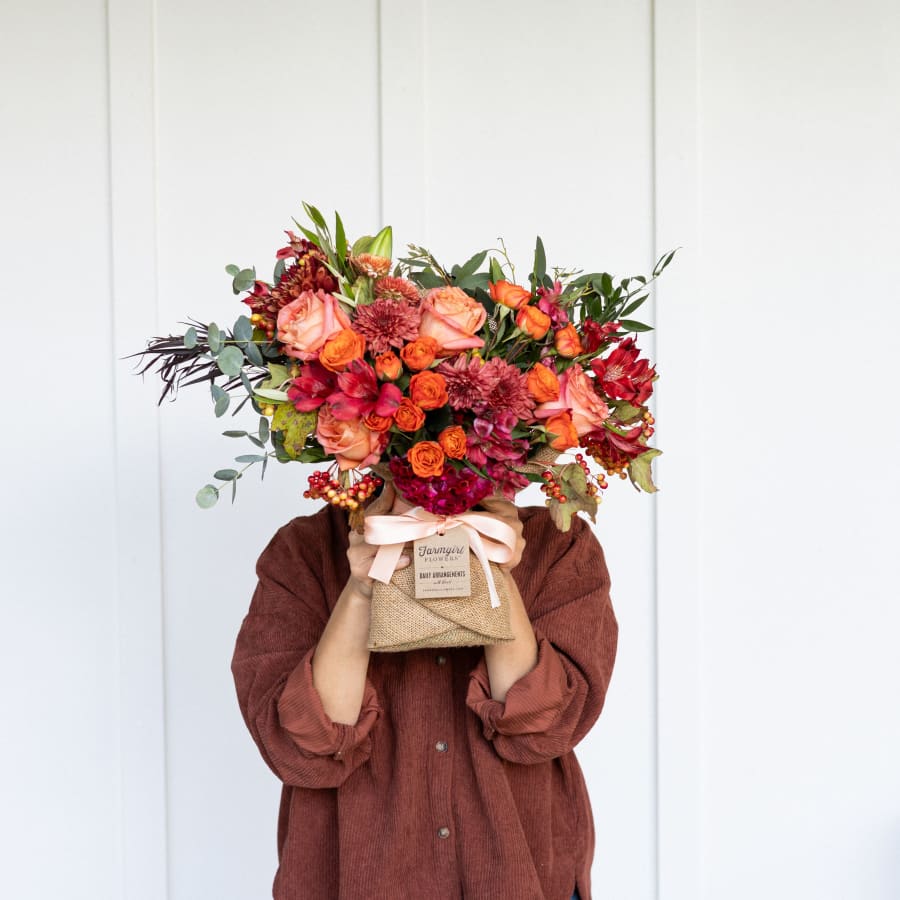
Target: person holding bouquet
[[433, 773]]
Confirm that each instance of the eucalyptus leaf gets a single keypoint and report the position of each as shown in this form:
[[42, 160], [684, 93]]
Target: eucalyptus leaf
[[190, 338], [244, 280], [253, 354], [263, 429], [216, 391], [232, 269], [235, 434], [226, 474], [207, 496], [214, 338], [249, 458], [221, 405], [230, 360], [256, 441], [278, 271], [243, 330]]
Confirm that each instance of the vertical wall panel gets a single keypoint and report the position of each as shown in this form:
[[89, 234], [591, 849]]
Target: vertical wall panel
[[800, 192], [131, 37], [59, 754]]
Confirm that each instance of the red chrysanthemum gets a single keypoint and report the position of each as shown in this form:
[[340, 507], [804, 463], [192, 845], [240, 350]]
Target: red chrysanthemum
[[397, 289], [510, 392], [307, 273], [386, 323], [469, 381]]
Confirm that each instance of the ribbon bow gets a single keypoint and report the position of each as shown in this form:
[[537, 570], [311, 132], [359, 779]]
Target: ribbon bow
[[489, 537]]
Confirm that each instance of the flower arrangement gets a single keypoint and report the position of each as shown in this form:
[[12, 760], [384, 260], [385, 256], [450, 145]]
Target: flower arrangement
[[457, 382]]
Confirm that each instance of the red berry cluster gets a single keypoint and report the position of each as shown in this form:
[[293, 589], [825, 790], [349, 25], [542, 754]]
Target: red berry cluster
[[323, 487], [554, 491]]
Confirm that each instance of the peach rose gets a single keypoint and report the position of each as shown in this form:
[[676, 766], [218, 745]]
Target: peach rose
[[510, 295], [388, 366], [426, 458], [452, 317], [340, 349], [543, 383], [419, 354], [428, 390], [562, 426], [567, 342], [353, 445], [408, 416], [306, 323], [533, 322], [577, 397], [453, 441]]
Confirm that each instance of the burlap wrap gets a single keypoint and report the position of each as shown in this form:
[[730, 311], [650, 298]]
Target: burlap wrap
[[401, 622]]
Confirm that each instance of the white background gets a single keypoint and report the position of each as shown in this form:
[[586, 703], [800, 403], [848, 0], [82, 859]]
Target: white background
[[750, 742]]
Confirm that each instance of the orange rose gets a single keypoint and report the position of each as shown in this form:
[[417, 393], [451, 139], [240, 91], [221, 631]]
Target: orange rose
[[428, 390], [306, 323], [533, 322], [543, 384], [408, 416], [561, 425], [340, 349], [420, 353], [567, 342], [577, 397], [452, 317], [388, 366], [510, 295], [352, 443], [378, 423], [453, 441], [426, 458]]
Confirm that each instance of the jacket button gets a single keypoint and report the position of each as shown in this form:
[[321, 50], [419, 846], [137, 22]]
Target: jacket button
[[443, 832], [441, 660], [441, 746]]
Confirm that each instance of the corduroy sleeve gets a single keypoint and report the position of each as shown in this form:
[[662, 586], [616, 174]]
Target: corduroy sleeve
[[272, 669], [552, 707]]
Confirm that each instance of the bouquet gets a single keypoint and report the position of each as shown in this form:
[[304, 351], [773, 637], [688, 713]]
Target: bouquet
[[456, 383]]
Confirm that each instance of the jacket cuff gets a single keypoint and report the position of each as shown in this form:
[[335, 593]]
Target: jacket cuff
[[533, 703], [303, 717]]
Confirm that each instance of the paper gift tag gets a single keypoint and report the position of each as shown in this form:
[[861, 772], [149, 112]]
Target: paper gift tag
[[442, 565]]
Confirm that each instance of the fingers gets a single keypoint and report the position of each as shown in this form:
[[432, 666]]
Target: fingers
[[381, 505]]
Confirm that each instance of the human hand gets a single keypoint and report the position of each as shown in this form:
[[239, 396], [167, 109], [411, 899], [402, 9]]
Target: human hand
[[360, 553], [508, 513]]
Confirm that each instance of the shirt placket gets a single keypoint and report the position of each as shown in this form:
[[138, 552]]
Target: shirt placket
[[440, 746]]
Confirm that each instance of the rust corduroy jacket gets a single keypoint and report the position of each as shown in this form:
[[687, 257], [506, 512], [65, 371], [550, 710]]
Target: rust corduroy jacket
[[438, 791]]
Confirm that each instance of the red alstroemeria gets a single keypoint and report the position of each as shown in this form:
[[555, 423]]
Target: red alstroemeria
[[613, 450], [312, 387], [622, 376], [359, 393], [593, 334]]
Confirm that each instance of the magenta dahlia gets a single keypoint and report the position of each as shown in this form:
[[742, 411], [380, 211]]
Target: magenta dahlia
[[509, 393], [469, 381]]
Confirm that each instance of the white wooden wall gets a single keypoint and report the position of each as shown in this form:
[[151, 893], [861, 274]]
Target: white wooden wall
[[750, 740]]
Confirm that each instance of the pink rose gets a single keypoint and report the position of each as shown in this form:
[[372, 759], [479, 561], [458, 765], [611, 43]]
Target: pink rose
[[306, 323], [353, 445], [576, 395], [451, 317]]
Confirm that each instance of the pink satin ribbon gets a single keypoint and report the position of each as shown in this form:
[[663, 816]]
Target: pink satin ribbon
[[489, 538]]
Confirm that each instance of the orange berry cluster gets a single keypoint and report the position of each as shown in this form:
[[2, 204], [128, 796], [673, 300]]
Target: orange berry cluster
[[324, 487]]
